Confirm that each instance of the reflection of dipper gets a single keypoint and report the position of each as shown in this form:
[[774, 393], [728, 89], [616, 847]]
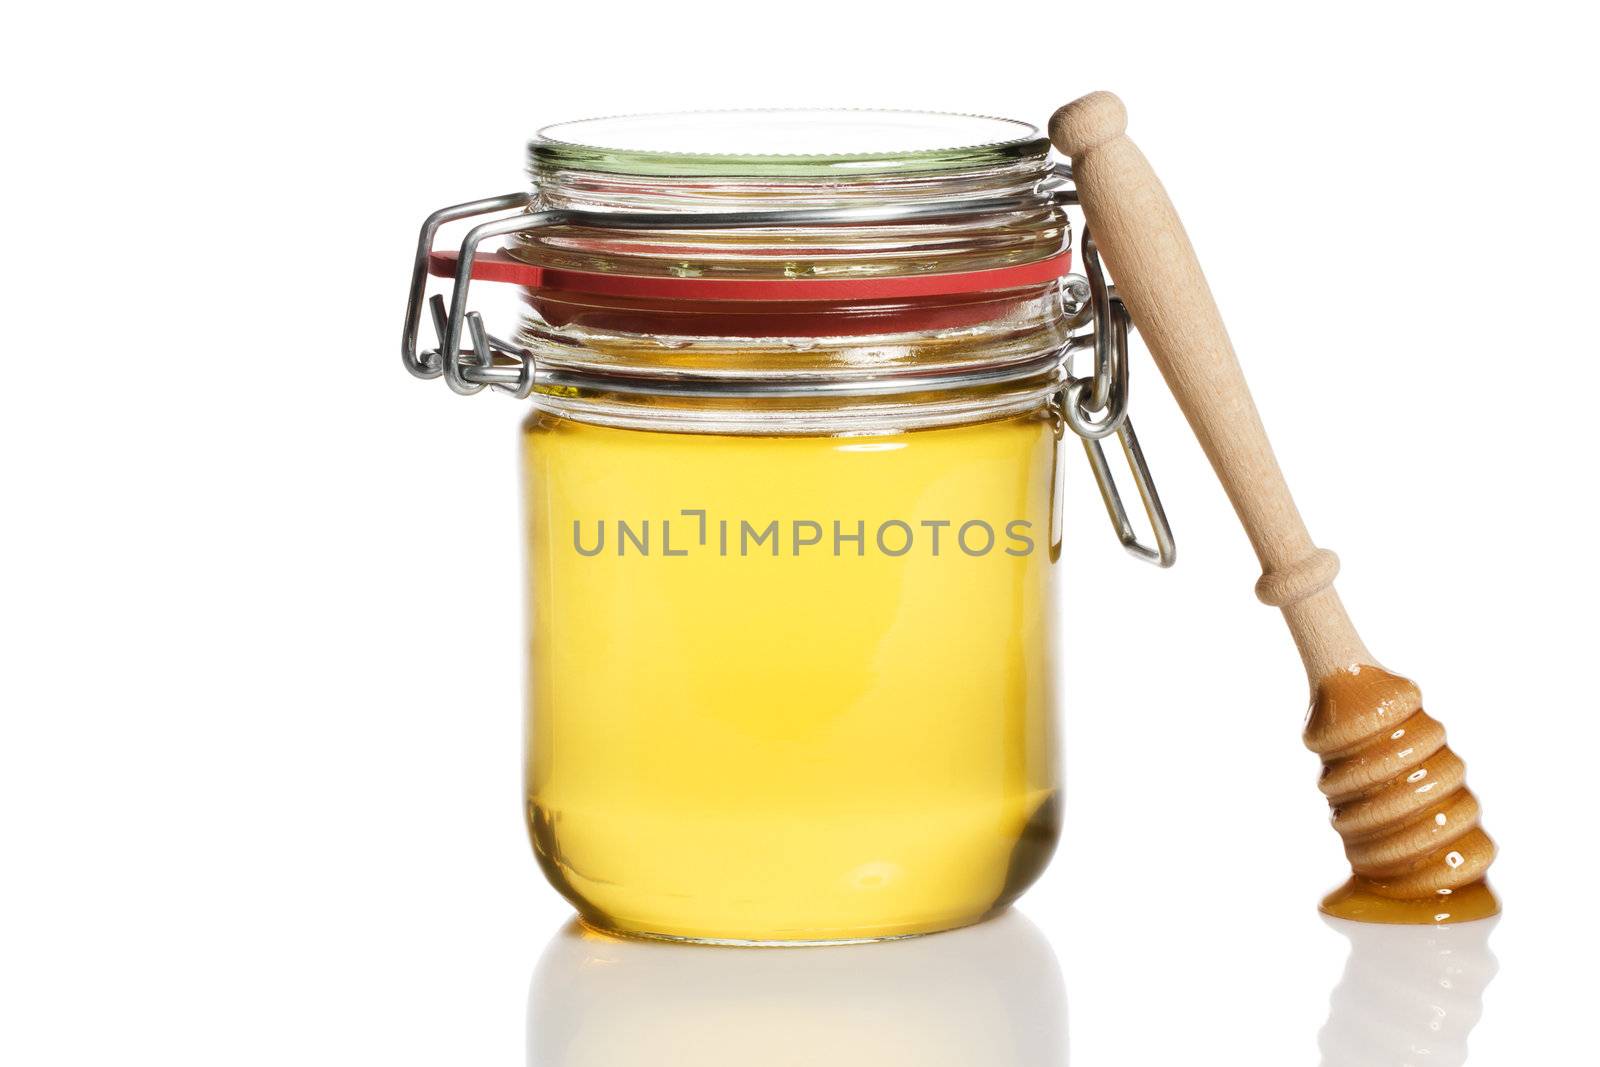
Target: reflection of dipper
[[1407, 995], [1409, 825]]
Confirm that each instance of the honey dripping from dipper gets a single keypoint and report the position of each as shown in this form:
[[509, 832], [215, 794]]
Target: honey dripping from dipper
[[1400, 802]]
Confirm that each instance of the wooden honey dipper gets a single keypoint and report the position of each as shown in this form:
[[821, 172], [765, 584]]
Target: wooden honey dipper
[[1410, 825]]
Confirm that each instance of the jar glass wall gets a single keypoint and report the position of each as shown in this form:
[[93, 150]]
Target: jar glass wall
[[792, 667]]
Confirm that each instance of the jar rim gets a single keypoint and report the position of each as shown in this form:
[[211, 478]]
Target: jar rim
[[927, 160], [824, 143]]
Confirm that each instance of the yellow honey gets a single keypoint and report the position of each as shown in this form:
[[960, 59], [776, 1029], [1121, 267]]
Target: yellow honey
[[803, 736]]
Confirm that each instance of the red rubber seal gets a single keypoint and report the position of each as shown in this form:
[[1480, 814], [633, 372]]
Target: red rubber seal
[[499, 267]]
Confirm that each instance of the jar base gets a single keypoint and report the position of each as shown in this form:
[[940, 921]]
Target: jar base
[[955, 881], [603, 929]]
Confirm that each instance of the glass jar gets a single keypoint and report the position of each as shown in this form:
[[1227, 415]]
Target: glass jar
[[792, 477]]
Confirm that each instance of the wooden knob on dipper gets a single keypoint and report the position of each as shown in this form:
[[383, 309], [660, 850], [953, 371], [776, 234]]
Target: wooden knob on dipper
[[1088, 122], [1409, 824]]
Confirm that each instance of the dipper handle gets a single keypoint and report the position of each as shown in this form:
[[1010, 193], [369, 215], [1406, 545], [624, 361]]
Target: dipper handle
[[1409, 824], [1159, 279]]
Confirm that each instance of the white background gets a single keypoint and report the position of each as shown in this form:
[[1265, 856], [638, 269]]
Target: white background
[[261, 612]]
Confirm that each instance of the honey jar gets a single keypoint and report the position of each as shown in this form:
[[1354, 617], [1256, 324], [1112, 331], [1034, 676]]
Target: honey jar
[[801, 386]]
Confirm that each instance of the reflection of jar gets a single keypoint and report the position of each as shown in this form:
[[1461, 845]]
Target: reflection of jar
[[790, 499], [991, 995]]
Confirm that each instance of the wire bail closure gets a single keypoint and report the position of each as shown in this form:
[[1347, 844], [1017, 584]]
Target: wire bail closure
[[1106, 392], [1093, 407]]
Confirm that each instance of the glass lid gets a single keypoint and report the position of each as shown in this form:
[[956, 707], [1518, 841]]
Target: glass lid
[[793, 143]]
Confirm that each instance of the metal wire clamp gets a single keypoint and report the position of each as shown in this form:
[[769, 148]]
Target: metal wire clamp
[[511, 368], [1094, 407]]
